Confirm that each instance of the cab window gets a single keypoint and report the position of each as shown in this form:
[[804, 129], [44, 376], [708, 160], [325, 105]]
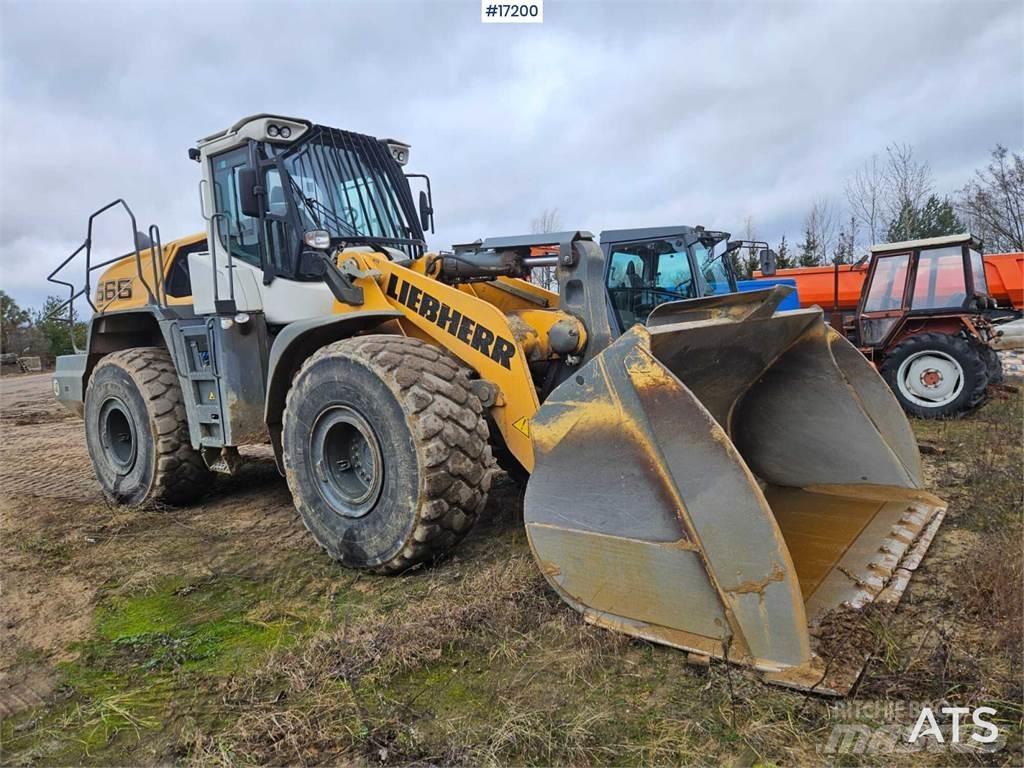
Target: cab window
[[888, 283], [978, 273], [643, 275], [238, 232], [940, 279]]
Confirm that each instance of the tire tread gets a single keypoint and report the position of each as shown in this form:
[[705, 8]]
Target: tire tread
[[449, 431]]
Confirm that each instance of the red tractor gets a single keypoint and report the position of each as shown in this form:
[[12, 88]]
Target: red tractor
[[924, 317]]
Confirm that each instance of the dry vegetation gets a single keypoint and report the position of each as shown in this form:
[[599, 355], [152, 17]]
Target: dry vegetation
[[220, 635]]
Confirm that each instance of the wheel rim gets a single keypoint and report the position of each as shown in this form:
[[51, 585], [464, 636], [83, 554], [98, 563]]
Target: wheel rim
[[347, 459], [118, 435], [931, 378]]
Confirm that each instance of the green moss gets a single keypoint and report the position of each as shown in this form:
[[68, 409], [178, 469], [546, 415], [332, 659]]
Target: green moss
[[150, 654]]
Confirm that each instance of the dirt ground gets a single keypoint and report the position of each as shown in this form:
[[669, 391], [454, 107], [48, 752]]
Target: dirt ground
[[222, 634]]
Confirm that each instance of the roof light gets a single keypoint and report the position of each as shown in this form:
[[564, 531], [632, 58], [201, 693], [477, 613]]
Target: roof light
[[273, 131], [399, 151], [285, 131]]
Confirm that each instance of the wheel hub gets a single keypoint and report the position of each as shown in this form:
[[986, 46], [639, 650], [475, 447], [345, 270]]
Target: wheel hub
[[117, 435], [930, 378], [347, 459]]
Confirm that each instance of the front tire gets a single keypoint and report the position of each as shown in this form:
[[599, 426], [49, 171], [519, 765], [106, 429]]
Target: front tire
[[385, 451], [136, 428], [935, 375]]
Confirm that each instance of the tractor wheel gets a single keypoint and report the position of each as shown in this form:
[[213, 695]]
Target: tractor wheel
[[934, 375], [136, 428], [994, 364], [385, 451]]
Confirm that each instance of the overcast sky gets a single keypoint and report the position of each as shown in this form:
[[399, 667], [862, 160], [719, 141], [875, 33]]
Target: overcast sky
[[617, 114]]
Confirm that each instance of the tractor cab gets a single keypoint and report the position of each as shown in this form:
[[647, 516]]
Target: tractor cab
[[937, 280], [921, 320], [654, 265]]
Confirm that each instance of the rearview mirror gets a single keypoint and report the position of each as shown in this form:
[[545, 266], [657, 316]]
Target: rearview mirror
[[249, 193], [426, 212], [769, 260]]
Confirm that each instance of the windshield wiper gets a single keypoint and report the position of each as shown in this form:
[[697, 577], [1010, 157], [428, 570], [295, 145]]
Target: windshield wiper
[[314, 206]]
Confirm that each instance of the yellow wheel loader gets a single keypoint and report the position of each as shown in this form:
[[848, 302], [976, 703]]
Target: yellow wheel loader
[[708, 473]]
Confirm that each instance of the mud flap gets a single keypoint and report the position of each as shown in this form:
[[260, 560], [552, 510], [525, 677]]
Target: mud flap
[[724, 481]]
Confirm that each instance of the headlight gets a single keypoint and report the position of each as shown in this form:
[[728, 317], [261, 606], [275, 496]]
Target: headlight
[[317, 238]]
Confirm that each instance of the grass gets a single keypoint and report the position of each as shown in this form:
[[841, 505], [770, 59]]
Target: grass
[[477, 662]]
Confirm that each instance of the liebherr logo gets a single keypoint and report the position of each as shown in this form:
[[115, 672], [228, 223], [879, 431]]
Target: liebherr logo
[[462, 327]]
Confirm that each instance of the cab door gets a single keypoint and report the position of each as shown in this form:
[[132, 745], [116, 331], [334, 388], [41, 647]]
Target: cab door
[[884, 301]]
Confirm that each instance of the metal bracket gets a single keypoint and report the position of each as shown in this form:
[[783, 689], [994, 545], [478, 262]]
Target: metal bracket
[[350, 268]]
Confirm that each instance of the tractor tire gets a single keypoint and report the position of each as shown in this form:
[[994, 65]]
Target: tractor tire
[[994, 364], [385, 449], [936, 375], [136, 429]]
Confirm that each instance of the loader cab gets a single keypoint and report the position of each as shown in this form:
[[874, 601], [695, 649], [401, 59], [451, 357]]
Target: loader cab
[[280, 196], [932, 278], [651, 266]]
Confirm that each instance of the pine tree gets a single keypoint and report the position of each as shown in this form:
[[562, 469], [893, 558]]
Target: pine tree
[[783, 259], [933, 219], [809, 256], [938, 218]]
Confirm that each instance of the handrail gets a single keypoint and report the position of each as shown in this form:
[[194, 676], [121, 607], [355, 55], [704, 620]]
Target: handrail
[[156, 248]]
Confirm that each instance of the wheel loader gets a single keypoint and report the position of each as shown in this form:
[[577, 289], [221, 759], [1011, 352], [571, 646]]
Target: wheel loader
[[707, 473]]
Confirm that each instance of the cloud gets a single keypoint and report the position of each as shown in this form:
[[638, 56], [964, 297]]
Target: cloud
[[618, 114]]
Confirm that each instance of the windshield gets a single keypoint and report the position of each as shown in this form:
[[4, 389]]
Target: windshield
[[714, 270], [350, 186], [645, 274]]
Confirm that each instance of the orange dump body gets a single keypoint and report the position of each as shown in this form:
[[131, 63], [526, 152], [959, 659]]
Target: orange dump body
[[1005, 273], [816, 285]]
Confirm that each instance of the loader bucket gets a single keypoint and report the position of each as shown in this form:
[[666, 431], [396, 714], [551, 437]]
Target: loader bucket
[[733, 481]]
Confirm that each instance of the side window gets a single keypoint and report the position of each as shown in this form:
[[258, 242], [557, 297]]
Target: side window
[[626, 270], [179, 280], [978, 272], [645, 274], [238, 232], [888, 283], [940, 279]]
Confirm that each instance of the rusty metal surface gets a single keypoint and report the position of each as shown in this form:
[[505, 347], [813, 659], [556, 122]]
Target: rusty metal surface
[[722, 482]]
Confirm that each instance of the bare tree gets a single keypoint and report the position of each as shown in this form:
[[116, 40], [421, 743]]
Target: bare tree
[[866, 193], [908, 183], [993, 202], [821, 222], [752, 262], [548, 221]]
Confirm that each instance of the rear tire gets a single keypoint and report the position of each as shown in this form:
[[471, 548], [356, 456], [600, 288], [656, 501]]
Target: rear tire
[[385, 449], [994, 364], [935, 375], [136, 428]]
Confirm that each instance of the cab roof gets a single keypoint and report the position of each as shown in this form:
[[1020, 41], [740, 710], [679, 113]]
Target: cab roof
[[929, 242]]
